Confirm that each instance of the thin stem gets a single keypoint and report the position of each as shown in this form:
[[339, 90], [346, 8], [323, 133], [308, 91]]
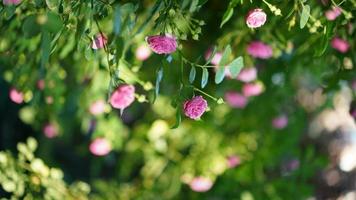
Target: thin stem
[[206, 94]]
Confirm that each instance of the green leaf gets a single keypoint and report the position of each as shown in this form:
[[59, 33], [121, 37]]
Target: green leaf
[[225, 56], [192, 74], [119, 42], [236, 66], [325, 39], [45, 48], [158, 80], [54, 23], [52, 4], [117, 20], [227, 15], [211, 56], [204, 78], [304, 16], [220, 74], [178, 118], [30, 26]]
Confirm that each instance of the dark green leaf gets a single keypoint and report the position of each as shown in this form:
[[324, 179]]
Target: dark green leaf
[[54, 23], [45, 48], [236, 66], [204, 77], [192, 74], [178, 118], [220, 74], [304, 16], [30, 26], [227, 15], [325, 39]]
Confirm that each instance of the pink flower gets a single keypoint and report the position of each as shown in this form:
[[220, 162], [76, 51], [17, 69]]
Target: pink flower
[[49, 100], [259, 49], [216, 59], [280, 122], [50, 131], [11, 2], [340, 44], [40, 84], [200, 184], [233, 161], [332, 14], [195, 107], [252, 89], [162, 44], [247, 74], [123, 96], [97, 107], [256, 18], [235, 100], [99, 42], [143, 52], [16, 96], [100, 147]]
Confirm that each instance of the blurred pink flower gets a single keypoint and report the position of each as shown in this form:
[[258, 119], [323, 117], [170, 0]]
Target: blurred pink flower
[[353, 85], [97, 107], [50, 130], [40, 84], [49, 100], [235, 99], [143, 52], [123, 96], [162, 44], [100, 147], [216, 59], [11, 2], [280, 122], [16, 96], [99, 42], [340, 44], [247, 74], [200, 184], [256, 18], [195, 107], [233, 161], [332, 14], [252, 89], [259, 49]]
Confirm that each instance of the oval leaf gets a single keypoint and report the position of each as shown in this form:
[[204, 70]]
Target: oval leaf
[[192, 74], [305, 16], [225, 56], [204, 78], [220, 74], [236, 66]]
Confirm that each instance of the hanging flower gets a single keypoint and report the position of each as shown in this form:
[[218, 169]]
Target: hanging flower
[[195, 107], [259, 49], [247, 74], [97, 107], [280, 122], [162, 44], [252, 89], [11, 2], [340, 44], [123, 96], [200, 184], [16, 96], [256, 18], [332, 14], [99, 42], [235, 99], [50, 130], [100, 147], [143, 52]]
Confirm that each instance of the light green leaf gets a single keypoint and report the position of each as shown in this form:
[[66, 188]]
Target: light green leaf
[[225, 56], [227, 15], [236, 66], [204, 78], [192, 74], [220, 74], [304, 16], [117, 20]]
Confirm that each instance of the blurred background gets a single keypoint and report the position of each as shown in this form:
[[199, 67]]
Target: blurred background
[[285, 130]]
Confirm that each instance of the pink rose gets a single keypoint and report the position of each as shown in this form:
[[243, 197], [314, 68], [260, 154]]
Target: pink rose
[[100, 147], [16, 96], [235, 100], [195, 107], [340, 44], [40, 84], [247, 74], [252, 89], [50, 130], [332, 14], [216, 59], [11, 2], [123, 96], [162, 44], [259, 49], [200, 184], [143, 52], [97, 107], [280, 122], [256, 18], [99, 42], [233, 161]]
